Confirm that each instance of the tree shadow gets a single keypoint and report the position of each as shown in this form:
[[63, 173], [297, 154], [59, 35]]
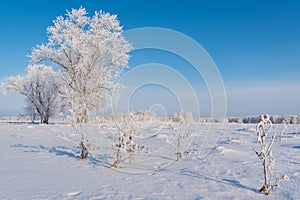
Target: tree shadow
[[19, 123], [71, 152], [293, 133], [57, 150], [99, 160], [236, 183], [230, 182]]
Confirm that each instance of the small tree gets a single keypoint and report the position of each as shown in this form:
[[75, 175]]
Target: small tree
[[263, 128], [91, 52], [39, 86]]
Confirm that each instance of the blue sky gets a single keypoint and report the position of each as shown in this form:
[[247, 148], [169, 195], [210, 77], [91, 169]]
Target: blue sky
[[255, 45]]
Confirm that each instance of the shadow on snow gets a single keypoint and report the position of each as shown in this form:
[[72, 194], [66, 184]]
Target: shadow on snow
[[57, 150], [230, 182], [63, 151]]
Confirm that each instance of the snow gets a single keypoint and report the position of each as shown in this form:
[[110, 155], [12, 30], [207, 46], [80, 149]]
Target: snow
[[42, 162]]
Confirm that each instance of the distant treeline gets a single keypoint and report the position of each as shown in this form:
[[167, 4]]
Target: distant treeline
[[143, 115], [275, 119]]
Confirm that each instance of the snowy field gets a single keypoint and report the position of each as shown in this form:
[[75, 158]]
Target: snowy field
[[42, 162]]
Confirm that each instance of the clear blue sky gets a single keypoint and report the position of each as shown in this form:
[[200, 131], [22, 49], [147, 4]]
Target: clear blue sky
[[254, 43]]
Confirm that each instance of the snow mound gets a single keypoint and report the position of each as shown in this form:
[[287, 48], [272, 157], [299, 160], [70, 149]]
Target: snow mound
[[163, 137], [70, 194], [226, 151]]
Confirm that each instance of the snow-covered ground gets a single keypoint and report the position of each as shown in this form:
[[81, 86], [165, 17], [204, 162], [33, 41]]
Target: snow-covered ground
[[42, 162]]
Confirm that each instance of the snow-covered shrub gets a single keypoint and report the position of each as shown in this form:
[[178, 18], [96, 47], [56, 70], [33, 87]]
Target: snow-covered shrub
[[125, 147], [282, 132], [185, 116], [180, 119], [265, 155], [145, 115], [180, 137]]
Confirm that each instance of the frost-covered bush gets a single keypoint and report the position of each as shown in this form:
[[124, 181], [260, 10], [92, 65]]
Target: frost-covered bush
[[282, 132], [180, 120], [125, 147], [183, 116], [180, 137], [265, 155]]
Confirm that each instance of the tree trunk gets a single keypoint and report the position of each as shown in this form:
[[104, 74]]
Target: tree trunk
[[118, 159], [265, 187], [179, 156], [42, 118], [45, 120], [84, 152], [83, 117], [266, 173]]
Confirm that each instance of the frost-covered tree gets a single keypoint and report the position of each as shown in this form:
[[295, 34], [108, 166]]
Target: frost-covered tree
[[91, 52], [39, 86]]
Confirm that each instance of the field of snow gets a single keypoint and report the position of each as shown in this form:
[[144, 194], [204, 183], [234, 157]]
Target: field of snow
[[42, 162]]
